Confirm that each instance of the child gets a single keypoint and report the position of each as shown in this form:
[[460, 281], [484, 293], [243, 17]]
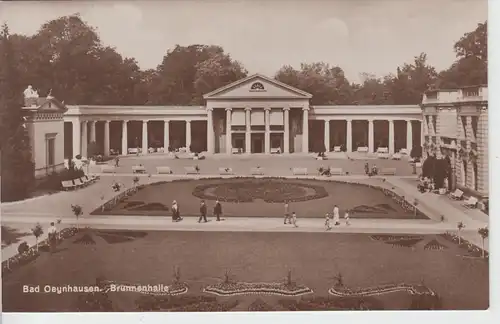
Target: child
[[346, 217], [294, 219], [327, 222]]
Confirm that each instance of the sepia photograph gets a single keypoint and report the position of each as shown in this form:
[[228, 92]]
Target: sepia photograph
[[244, 156]]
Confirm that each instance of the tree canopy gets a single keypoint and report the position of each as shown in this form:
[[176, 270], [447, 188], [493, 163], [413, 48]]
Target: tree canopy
[[67, 56]]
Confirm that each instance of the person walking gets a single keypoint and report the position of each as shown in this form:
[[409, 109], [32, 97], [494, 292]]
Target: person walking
[[287, 213], [117, 162], [52, 233], [336, 215], [367, 168], [203, 212], [294, 219], [218, 210], [346, 217], [327, 222], [176, 214]]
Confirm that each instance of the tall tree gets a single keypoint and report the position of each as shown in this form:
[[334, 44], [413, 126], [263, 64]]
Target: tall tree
[[326, 83], [373, 90], [215, 72], [471, 67], [17, 167]]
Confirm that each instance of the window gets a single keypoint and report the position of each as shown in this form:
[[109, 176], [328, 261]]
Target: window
[[257, 86]]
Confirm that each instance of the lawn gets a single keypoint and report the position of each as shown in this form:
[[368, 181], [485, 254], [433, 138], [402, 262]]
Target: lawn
[[249, 197], [315, 259]]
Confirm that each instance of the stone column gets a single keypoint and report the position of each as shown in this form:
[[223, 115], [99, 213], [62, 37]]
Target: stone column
[[305, 130], [210, 131], [124, 137], [145, 137], [438, 132], [85, 139], [391, 136], [106, 138], [286, 139], [248, 131], [92, 131], [229, 143], [327, 135], [267, 133], [482, 152], [422, 132], [470, 168], [77, 137], [188, 135], [371, 134], [166, 135], [349, 136], [409, 136]]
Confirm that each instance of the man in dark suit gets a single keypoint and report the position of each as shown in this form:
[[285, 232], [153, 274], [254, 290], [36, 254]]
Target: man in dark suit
[[203, 212], [217, 209]]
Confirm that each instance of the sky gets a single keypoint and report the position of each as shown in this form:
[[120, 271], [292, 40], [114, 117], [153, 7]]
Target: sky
[[372, 36]]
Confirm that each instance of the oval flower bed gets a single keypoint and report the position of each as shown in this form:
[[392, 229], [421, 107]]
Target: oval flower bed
[[32, 253], [342, 291], [264, 288]]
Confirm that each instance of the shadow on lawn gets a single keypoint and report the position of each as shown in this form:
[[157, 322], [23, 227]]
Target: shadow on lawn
[[11, 236]]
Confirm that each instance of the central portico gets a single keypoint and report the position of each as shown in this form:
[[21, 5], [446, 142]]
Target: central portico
[[257, 115]]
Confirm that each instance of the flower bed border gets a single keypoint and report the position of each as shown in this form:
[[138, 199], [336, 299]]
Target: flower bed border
[[464, 244], [271, 290], [379, 290], [32, 253]]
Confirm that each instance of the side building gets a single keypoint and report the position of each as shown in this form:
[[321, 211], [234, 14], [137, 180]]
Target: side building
[[455, 124]]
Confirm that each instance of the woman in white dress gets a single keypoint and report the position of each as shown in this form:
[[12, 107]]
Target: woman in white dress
[[336, 215]]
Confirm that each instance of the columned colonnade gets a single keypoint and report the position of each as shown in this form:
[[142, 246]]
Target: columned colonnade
[[371, 133]]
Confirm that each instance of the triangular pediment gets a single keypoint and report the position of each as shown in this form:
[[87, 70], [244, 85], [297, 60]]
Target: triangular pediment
[[257, 86], [45, 105]]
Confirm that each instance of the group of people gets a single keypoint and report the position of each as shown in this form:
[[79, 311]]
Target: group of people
[[291, 218], [217, 212], [373, 171]]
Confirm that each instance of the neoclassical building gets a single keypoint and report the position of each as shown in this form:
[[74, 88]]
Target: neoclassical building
[[254, 115], [455, 124]]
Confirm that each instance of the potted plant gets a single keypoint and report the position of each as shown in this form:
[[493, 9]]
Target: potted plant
[[77, 211], [37, 232], [460, 226], [484, 233]]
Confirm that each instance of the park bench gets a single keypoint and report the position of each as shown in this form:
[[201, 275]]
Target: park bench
[[471, 202], [68, 185], [257, 171], [299, 171], [275, 150], [163, 170], [396, 156], [79, 183], [457, 194], [138, 169], [134, 150], [336, 171], [236, 150], [337, 149], [362, 149], [404, 151], [191, 170], [383, 152], [107, 169], [387, 171], [226, 171]]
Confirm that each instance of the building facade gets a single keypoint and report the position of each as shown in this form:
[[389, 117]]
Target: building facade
[[455, 124], [254, 115]]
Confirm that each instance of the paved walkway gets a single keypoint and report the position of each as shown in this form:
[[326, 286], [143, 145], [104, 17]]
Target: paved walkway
[[58, 206]]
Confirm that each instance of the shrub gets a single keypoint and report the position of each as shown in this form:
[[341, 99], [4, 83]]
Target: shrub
[[23, 248]]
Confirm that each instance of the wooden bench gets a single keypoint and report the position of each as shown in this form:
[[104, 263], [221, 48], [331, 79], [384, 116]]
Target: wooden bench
[[257, 171], [163, 170], [68, 185], [133, 151], [236, 150], [362, 149], [383, 153], [275, 150], [138, 169], [108, 169], [226, 171], [191, 170], [299, 171], [387, 171], [337, 149], [336, 171]]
